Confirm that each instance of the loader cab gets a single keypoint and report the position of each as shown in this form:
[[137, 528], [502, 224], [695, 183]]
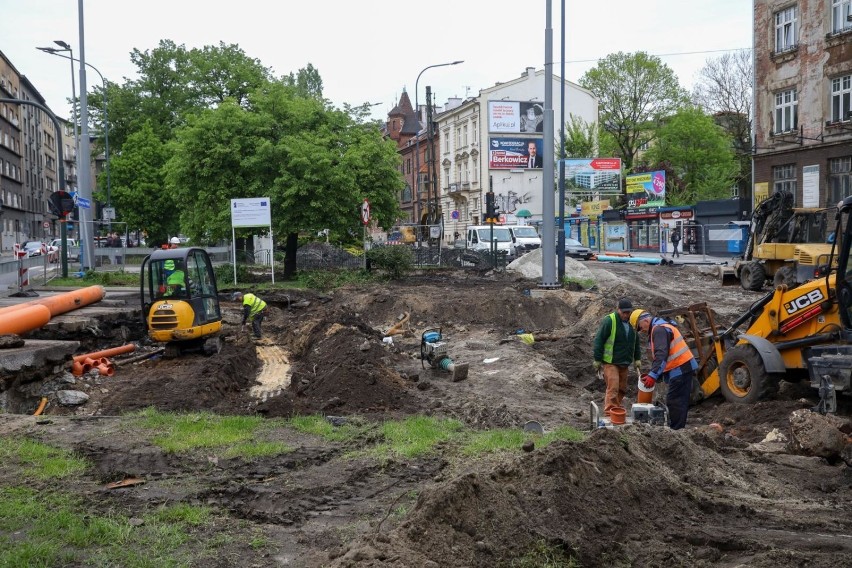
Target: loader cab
[[842, 248], [179, 296]]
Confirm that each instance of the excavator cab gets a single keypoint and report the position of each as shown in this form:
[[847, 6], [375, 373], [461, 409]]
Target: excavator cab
[[180, 302]]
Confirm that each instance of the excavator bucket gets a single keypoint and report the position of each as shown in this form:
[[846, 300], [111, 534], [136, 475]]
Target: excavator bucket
[[728, 276]]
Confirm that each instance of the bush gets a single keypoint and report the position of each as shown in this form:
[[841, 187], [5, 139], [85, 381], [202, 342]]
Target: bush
[[396, 260], [325, 280]]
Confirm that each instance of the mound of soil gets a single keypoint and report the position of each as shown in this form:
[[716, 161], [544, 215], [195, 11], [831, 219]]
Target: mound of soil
[[640, 496]]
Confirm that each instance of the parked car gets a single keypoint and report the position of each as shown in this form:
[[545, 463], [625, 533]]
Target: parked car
[[32, 248], [576, 249], [55, 246]]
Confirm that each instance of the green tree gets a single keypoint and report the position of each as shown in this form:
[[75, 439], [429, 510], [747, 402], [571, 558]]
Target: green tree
[[137, 186], [697, 156], [307, 82], [587, 140], [635, 92], [317, 164], [724, 88]]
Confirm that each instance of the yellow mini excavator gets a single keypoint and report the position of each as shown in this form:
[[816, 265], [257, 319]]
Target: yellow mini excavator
[[180, 303]]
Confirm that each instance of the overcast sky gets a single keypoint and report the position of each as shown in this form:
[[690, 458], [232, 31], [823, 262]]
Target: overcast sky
[[369, 51]]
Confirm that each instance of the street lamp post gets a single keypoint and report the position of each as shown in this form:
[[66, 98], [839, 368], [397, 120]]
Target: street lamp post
[[58, 52], [417, 137], [54, 51]]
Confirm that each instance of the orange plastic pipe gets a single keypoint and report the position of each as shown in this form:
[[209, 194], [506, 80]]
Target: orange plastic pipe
[[24, 320], [126, 348], [106, 370], [41, 406], [62, 303]]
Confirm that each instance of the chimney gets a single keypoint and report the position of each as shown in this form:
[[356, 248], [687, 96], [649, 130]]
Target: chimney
[[530, 72]]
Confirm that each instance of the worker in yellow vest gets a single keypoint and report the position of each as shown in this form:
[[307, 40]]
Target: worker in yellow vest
[[254, 310], [616, 347]]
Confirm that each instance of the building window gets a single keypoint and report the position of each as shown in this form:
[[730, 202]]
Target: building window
[[465, 134], [841, 92], [786, 111], [839, 179], [447, 141], [784, 179], [785, 29], [840, 10]]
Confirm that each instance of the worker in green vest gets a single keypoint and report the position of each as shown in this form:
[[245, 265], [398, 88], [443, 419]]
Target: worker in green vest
[[254, 310], [616, 347], [174, 278]]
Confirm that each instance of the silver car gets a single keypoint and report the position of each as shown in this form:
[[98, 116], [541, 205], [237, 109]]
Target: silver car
[[576, 249]]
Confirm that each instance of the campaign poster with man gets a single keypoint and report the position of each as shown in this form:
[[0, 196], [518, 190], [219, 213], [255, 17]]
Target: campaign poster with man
[[515, 153]]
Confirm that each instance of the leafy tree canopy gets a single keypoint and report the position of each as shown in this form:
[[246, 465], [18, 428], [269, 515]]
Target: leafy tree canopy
[[635, 91], [316, 164], [697, 155]]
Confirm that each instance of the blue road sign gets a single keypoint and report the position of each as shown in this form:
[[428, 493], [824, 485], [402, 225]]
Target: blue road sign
[[83, 203]]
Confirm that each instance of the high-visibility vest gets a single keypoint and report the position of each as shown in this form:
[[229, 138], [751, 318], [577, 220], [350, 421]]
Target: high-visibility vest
[[257, 305], [679, 352], [610, 341]]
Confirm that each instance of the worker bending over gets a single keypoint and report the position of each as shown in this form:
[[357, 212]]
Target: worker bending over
[[672, 362], [254, 310]]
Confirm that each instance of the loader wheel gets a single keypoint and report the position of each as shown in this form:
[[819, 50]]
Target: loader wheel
[[743, 378], [752, 276], [786, 275]]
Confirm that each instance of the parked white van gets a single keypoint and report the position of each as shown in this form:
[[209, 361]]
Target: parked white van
[[479, 238], [524, 239]]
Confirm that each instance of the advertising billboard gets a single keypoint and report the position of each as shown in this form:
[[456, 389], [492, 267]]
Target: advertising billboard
[[593, 175], [647, 189], [515, 153], [519, 117]]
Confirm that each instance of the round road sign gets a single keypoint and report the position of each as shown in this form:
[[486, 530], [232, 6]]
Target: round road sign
[[365, 212], [46, 224]]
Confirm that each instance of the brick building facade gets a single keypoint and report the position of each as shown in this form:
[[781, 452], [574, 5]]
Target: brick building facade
[[803, 100]]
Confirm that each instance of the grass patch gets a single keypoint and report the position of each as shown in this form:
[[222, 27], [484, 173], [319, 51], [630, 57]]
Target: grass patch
[[319, 426], [509, 439], [48, 529], [544, 555], [92, 278], [39, 460], [585, 283], [416, 436], [236, 435]]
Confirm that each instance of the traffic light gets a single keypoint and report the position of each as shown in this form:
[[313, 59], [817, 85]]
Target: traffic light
[[61, 203], [490, 208]]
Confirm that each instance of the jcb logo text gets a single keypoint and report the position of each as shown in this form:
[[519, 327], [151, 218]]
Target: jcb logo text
[[802, 302]]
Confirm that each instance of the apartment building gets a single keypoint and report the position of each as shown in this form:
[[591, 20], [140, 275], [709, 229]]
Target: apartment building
[[803, 100], [486, 144]]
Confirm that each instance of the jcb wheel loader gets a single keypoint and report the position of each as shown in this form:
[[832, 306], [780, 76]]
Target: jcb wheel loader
[[792, 333]]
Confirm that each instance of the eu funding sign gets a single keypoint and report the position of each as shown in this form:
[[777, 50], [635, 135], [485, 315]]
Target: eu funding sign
[[252, 212]]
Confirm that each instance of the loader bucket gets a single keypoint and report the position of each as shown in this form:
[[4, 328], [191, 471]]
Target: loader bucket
[[728, 276]]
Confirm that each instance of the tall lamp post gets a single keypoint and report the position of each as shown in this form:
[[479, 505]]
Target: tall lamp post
[[58, 52], [417, 137]]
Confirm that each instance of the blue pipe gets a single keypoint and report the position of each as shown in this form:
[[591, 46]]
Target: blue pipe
[[644, 260]]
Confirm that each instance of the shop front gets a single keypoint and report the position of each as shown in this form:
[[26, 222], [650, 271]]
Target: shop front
[[643, 229]]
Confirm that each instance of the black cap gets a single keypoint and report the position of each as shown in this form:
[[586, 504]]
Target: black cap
[[625, 304]]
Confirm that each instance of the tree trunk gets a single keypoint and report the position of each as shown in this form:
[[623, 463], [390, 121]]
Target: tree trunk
[[290, 256]]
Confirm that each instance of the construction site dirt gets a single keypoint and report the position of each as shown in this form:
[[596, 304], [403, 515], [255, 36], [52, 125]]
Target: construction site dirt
[[728, 490]]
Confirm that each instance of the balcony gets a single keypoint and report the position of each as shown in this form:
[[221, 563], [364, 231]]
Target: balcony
[[454, 188]]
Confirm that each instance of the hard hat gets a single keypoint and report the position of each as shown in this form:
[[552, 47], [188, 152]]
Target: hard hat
[[169, 265], [174, 241], [637, 315]]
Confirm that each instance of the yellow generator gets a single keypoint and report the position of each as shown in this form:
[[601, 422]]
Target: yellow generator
[[180, 302]]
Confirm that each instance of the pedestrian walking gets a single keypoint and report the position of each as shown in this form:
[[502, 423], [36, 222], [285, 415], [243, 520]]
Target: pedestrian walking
[[675, 238]]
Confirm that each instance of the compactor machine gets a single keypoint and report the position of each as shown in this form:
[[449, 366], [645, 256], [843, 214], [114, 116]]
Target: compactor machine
[[180, 302]]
